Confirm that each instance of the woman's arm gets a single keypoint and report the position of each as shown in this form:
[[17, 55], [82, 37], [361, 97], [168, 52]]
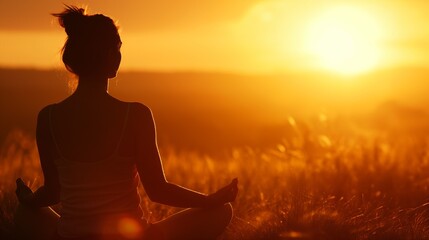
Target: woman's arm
[[152, 175], [49, 193]]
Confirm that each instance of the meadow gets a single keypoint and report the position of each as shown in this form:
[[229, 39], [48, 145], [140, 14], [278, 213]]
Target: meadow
[[326, 178], [316, 157]]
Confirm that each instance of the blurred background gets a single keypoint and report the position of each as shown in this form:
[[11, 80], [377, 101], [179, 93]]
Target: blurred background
[[224, 74]]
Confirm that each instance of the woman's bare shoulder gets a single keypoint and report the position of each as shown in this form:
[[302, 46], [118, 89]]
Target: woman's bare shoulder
[[140, 112], [140, 108], [43, 121], [45, 112]]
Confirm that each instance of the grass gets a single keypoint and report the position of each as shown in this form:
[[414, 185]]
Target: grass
[[323, 180]]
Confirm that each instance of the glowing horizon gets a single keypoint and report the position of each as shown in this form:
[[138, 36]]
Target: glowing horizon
[[256, 37]]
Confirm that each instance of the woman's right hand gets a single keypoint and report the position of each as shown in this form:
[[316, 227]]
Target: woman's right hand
[[224, 195], [23, 192]]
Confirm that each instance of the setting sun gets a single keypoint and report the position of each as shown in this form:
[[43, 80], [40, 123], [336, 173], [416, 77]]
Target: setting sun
[[344, 40]]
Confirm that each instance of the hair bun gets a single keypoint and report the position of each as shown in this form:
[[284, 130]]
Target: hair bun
[[72, 19]]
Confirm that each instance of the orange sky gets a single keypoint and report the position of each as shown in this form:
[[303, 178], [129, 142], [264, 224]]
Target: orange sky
[[246, 36]]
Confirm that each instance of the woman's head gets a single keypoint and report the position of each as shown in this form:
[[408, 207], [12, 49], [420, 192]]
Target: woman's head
[[93, 43]]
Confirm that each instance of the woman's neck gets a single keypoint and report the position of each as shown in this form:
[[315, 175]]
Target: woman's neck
[[92, 86]]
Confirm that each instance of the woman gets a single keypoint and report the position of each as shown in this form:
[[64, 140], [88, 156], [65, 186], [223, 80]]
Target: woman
[[95, 148]]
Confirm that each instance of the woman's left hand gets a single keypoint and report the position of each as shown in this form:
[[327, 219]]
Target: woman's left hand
[[224, 195], [23, 192]]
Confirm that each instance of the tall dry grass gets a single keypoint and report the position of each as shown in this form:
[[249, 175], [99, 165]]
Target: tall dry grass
[[323, 180]]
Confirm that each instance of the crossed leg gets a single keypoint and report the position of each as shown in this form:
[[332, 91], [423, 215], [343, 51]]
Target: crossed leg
[[196, 223], [189, 224]]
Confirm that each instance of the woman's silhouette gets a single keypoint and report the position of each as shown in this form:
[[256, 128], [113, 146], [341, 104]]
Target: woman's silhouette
[[94, 149]]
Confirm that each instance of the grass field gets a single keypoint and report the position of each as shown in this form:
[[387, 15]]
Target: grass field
[[324, 180]]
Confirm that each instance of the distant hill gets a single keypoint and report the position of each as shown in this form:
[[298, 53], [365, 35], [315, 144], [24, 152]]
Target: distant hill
[[23, 92], [203, 111], [212, 111]]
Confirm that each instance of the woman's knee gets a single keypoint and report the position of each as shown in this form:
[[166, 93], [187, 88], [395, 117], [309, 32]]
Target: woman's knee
[[224, 214], [35, 223], [227, 212]]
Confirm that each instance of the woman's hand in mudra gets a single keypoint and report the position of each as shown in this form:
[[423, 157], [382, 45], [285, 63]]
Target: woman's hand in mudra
[[23, 192], [224, 195]]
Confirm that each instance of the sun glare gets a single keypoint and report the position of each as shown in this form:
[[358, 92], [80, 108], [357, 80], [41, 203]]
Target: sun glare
[[344, 40]]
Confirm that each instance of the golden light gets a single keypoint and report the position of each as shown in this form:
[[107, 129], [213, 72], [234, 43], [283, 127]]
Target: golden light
[[129, 228], [344, 40]]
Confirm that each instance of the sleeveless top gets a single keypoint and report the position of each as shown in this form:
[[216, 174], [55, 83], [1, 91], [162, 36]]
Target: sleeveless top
[[96, 195]]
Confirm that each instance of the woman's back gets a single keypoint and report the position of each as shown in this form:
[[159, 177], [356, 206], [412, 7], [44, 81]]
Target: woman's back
[[90, 130], [98, 181]]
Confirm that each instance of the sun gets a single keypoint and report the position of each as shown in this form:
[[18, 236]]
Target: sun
[[344, 40]]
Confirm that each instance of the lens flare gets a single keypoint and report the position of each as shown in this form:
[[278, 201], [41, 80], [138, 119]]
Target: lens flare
[[129, 228]]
